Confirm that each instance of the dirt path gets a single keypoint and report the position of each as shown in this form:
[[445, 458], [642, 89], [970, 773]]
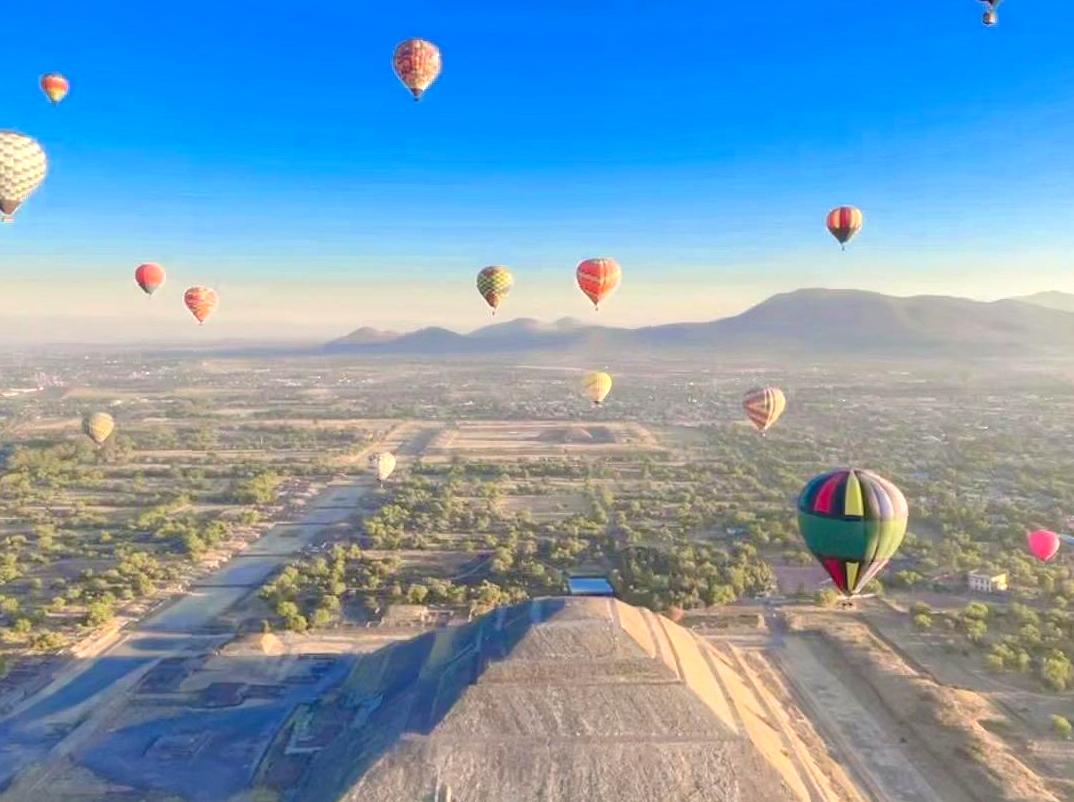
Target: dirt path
[[50, 724], [866, 735]]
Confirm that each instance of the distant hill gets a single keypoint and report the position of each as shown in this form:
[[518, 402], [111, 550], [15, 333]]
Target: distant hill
[[368, 336], [803, 321], [1052, 299]]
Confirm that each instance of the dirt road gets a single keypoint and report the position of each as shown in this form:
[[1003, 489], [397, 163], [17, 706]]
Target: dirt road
[[53, 721]]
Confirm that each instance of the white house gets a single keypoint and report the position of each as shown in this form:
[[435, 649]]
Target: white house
[[984, 582]]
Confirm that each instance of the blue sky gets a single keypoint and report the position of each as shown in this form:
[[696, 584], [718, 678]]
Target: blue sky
[[267, 149]]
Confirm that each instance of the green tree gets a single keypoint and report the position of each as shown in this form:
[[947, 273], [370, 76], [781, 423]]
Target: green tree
[[825, 597], [98, 613], [975, 629], [1056, 671]]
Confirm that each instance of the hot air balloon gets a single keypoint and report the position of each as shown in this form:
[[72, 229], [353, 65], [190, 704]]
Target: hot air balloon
[[494, 283], [23, 165], [55, 86], [98, 426], [598, 278], [1043, 544], [853, 521], [201, 301], [597, 385], [991, 16], [763, 406], [417, 63], [384, 462], [844, 222], [150, 277]]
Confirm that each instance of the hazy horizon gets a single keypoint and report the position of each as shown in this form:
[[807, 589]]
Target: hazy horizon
[[270, 326]]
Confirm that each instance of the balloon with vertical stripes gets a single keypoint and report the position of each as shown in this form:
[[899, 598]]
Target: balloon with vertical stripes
[[763, 406], [844, 222]]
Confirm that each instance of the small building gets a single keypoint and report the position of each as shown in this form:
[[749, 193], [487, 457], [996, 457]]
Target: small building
[[985, 582], [590, 585]]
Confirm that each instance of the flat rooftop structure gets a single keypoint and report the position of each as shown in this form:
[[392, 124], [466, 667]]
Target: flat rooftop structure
[[590, 585]]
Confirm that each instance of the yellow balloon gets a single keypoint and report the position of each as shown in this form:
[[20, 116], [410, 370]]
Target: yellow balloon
[[597, 385], [98, 426]]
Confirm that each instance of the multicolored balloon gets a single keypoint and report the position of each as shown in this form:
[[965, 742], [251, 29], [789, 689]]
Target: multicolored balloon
[[494, 283], [853, 521], [55, 86], [384, 462], [844, 222], [598, 278], [150, 277], [23, 166], [417, 63], [201, 301], [1043, 544], [98, 427], [991, 17], [597, 385], [763, 406]]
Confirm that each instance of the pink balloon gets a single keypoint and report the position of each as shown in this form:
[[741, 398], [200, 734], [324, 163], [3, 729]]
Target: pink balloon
[[1043, 544]]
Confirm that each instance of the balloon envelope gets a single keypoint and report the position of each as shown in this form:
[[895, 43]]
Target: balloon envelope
[[98, 426], [853, 521], [23, 165], [763, 406], [597, 385], [150, 277], [55, 86], [201, 301], [598, 278], [385, 465], [417, 63], [494, 283], [844, 222], [1043, 544]]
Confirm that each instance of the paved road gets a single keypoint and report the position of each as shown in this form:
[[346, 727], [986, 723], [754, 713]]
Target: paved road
[[55, 720]]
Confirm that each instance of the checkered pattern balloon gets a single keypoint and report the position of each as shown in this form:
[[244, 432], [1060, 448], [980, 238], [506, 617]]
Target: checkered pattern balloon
[[22, 169]]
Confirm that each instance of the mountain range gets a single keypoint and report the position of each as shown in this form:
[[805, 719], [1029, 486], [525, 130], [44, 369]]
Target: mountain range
[[803, 321]]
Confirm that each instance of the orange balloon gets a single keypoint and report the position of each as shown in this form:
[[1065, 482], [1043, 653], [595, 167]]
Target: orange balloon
[[55, 86], [598, 278], [201, 301], [149, 277]]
